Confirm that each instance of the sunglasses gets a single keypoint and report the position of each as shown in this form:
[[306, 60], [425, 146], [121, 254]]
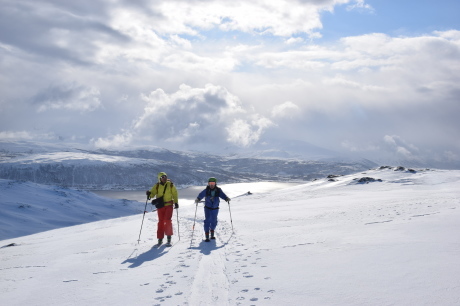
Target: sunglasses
[[164, 176], [211, 183]]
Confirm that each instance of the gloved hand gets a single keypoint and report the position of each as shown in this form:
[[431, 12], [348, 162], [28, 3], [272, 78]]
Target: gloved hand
[[227, 200], [176, 206], [148, 194], [197, 201]]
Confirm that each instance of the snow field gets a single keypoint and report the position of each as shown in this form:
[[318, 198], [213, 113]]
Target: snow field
[[394, 242]]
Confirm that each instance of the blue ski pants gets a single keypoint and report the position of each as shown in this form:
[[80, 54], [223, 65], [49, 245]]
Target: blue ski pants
[[210, 219]]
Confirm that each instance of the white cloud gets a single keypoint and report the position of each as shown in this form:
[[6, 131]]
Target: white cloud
[[182, 42], [114, 141], [361, 6], [245, 133], [193, 116], [400, 147], [294, 40], [286, 109]]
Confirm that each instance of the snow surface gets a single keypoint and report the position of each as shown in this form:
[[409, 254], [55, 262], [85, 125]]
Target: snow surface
[[394, 242], [28, 208]]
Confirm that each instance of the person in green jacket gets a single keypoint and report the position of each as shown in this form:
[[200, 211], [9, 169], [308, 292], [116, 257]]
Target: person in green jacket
[[166, 190]]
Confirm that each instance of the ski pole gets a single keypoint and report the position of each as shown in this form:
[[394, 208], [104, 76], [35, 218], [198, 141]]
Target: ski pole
[[143, 220], [193, 229], [177, 214], [231, 221]]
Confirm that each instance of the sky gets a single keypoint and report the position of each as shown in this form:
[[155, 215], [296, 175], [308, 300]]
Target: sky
[[370, 78]]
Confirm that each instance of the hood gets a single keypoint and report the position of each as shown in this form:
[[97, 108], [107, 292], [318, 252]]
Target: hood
[[160, 175]]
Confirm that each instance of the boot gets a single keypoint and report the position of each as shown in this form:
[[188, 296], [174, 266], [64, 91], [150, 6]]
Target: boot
[[212, 235], [160, 241], [207, 237], [169, 240]]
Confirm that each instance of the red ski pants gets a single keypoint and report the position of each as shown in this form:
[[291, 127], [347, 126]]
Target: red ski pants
[[164, 221]]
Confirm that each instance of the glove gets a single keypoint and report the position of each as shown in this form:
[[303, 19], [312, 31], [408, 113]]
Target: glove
[[148, 194], [197, 201], [176, 206], [227, 200]]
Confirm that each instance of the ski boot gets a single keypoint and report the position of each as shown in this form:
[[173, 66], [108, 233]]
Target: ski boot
[[160, 242]]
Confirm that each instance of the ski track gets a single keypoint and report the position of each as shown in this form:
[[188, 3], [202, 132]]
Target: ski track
[[220, 272]]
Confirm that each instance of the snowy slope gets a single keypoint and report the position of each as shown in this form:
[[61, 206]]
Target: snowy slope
[[394, 242], [27, 208]]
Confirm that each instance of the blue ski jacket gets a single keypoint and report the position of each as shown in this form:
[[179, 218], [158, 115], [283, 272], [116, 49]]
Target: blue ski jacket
[[212, 197]]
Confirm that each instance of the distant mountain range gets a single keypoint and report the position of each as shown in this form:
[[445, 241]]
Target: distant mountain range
[[136, 168]]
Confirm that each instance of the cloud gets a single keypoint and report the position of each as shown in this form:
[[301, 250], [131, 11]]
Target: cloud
[[193, 116], [286, 109], [69, 97], [88, 68], [114, 141], [25, 135], [400, 147], [5, 135], [294, 40], [360, 5], [280, 18], [245, 133]]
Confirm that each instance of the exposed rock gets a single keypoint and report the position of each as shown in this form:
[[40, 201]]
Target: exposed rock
[[366, 180]]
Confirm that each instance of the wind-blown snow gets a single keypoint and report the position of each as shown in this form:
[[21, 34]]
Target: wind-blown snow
[[394, 242]]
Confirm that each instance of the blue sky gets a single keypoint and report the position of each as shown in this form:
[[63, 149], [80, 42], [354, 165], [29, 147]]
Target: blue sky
[[409, 17], [369, 78]]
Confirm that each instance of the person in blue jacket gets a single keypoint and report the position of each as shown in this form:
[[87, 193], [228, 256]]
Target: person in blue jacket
[[212, 195]]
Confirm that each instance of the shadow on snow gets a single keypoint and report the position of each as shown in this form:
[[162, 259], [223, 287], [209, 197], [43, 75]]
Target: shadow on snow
[[150, 255]]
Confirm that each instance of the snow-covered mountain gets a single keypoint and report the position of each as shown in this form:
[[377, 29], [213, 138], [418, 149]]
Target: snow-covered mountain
[[379, 237], [76, 166]]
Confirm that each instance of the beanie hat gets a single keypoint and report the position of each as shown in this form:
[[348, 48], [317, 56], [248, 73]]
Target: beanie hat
[[212, 179]]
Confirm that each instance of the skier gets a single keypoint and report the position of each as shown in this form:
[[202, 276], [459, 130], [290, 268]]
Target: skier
[[165, 192], [212, 193]]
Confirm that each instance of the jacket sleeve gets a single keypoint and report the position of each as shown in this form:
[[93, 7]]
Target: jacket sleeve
[[202, 194], [175, 194], [153, 192], [222, 195]]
